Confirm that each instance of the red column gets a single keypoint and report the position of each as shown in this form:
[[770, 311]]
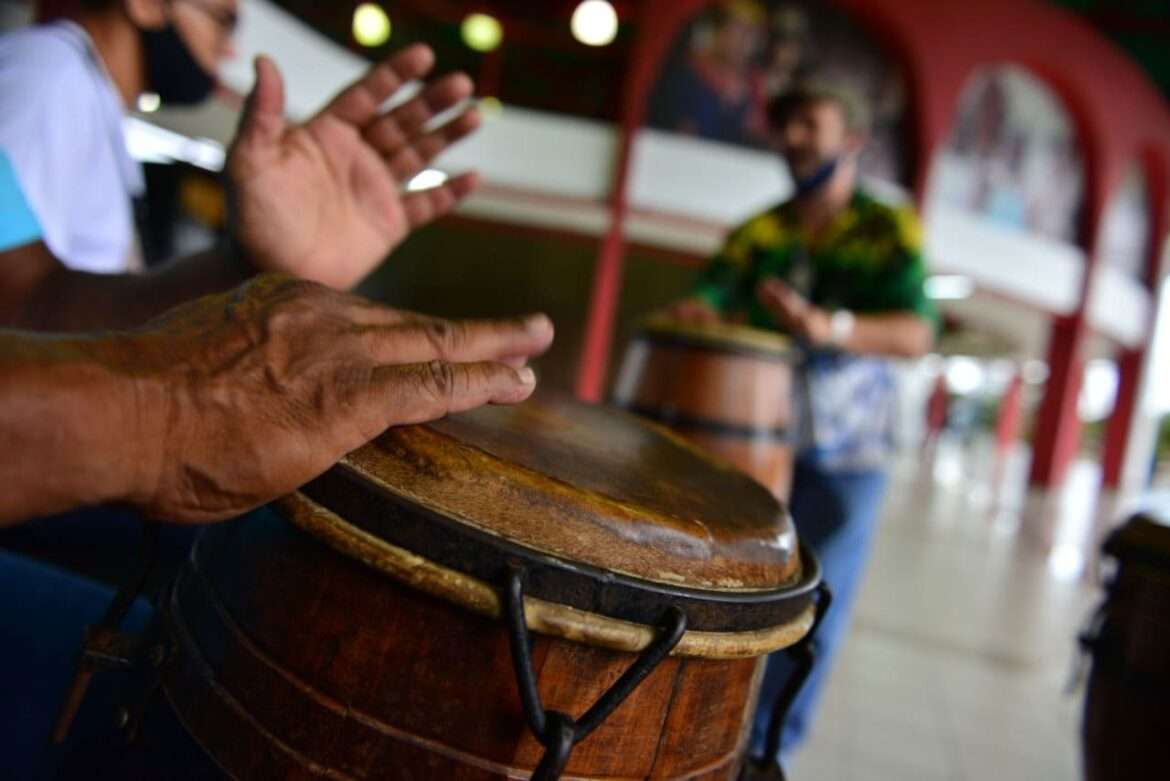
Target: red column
[[659, 22], [607, 282], [491, 66], [1129, 370], [1058, 426], [1011, 409], [1058, 423], [1131, 361]]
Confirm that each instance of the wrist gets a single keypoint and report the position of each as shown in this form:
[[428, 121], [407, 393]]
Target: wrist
[[67, 426], [135, 401]]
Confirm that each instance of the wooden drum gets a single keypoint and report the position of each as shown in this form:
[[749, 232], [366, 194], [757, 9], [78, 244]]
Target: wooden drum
[[728, 388], [1127, 707], [453, 600]]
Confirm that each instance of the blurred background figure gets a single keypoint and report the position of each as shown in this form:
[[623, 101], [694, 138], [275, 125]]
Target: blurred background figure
[[843, 275], [710, 91], [64, 88]]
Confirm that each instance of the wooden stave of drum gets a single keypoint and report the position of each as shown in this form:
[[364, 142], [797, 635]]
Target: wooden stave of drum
[[728, 388]]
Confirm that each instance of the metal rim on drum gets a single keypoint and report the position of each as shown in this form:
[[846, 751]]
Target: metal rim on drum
[[565, 599]]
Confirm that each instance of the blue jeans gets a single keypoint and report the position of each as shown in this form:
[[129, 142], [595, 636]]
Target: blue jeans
[[836, 514], [43, 611]]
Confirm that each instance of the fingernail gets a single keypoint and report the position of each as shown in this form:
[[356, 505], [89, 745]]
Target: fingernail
[[537, 323], [527, 376]]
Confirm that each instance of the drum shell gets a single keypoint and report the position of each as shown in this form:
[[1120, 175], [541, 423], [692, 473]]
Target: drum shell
[[290, 659], [1127, 705], [736, 403]]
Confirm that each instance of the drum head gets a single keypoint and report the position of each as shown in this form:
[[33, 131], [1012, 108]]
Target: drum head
[[721, 337], [608, 514]]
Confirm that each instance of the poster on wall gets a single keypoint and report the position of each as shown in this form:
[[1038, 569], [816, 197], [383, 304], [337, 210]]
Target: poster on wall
[[730, 60], [1012, 157], [1125, 230]]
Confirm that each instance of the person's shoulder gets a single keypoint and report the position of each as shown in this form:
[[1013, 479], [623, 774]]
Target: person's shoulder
[[896, 219], [762, 229], [41, 58]]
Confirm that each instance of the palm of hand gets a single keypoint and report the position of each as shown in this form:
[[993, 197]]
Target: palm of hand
[[323, 200], [320, 205]]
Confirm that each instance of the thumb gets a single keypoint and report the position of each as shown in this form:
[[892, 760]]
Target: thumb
[[263, 119], [787, 296]]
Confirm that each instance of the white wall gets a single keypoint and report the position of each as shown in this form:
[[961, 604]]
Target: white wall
[[314, 67]]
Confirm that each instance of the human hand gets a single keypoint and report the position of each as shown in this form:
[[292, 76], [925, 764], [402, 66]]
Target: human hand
[[323, 200], [794, 312], [244, 396]]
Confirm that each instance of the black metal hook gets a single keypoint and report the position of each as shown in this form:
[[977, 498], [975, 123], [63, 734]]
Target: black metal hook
[[803, 654], [105, 647], [559, 732]]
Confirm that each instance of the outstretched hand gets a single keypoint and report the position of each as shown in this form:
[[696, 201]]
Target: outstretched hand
[[324, 200]]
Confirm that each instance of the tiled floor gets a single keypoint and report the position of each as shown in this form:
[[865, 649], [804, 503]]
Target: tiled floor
[[963, 639]]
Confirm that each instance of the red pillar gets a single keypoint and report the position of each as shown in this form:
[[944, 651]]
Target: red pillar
[[1058, 426], [1129, 370], [491, 67], [1011, 409], [1058, 423], [1131, 361], [607, 282], [659, 22]]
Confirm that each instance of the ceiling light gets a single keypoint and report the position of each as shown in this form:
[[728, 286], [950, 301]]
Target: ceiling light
[[371, 25], [482, 32], [594, 23], [148, 102]]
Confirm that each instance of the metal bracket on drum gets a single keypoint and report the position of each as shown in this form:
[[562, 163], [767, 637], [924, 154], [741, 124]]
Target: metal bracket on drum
[[556, 731], [105, 647], [803, 655]]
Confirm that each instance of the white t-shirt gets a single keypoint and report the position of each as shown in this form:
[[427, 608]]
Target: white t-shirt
[[61, 127]]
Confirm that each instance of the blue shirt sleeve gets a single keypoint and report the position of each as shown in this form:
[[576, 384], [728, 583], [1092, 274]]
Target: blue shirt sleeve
[[18, 224]]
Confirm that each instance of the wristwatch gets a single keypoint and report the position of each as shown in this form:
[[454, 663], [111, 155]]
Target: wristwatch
[[841, 328]]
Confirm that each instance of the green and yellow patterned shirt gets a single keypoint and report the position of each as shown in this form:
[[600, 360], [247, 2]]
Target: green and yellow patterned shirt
[[868, 260]]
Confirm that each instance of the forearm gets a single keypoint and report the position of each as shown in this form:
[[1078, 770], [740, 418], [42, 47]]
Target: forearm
[[72, 427], [902, 335], [62, 300]]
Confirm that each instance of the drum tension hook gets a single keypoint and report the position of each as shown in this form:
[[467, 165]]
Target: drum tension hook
[[556, 731], [105, 647], [803, 655]]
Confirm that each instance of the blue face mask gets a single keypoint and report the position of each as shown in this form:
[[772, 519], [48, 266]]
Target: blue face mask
[[172, 72], [817, 178]]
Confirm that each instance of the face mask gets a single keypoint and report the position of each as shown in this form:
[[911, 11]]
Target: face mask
[[817, 178], [171, 70]]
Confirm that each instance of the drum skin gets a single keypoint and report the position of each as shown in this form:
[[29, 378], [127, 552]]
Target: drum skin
[[1127, 706], [292, 661], [729, 394]]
